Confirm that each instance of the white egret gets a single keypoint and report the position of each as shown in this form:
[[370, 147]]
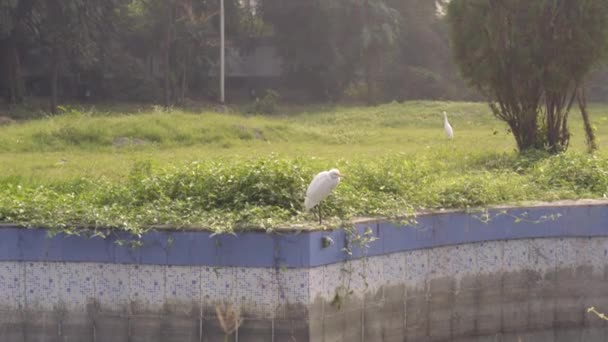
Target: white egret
[[447, 127], [320, 187]]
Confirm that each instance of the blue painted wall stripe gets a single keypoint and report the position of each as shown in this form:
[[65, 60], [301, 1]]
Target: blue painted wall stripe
[[304, 249]]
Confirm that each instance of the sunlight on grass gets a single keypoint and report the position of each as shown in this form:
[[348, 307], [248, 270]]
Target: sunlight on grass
[[108, 143], [129, 169]]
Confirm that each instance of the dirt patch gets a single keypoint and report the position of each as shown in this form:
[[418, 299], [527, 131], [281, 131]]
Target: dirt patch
[[259, 134], [5, 120], [126, 141], [246, 133]]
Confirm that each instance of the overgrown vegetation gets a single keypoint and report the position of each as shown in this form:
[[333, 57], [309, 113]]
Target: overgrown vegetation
[[69, 171], [268, 192], [268, 104]]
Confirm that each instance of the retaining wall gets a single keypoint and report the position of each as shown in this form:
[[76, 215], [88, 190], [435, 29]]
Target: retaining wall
[[450, 277]]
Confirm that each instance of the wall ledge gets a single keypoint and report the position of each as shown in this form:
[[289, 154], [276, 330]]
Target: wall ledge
[[304, 249]]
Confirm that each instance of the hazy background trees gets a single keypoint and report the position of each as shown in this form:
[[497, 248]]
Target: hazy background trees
[[166, 51]]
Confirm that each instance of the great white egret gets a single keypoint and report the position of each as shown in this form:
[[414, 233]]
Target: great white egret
[[446, 126], [320, 187]]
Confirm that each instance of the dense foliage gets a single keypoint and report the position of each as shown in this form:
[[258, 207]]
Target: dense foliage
[[373, 50], [108, 47], [268, 192], [530, 60], [166, 51]]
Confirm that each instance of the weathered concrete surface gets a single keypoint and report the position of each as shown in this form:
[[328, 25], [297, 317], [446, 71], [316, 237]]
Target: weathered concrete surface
[[514, 306], [510, 306], [76, 327], [11, 326], [441, 303], [465, 311], [416, 314], [536, 291], [111, 327], [41, 326], [488, 305], [145, 328], [294, 330], [373, 317], [180, 329], [393, 313], [212, 330], [181, 322]]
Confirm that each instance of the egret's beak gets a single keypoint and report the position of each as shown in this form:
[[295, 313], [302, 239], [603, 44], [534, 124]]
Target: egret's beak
[[341, 175]]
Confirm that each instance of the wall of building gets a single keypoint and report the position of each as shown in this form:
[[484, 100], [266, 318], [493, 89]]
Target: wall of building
[[450, 277]]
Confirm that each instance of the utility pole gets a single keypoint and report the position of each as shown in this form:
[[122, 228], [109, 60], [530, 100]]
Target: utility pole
[[222, 53]]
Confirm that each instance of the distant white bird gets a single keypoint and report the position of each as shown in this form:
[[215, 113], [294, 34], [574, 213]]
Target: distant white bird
[[446, 126], [320, 187]]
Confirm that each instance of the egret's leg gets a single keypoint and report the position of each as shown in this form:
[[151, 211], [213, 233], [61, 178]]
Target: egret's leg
[[320, 221]]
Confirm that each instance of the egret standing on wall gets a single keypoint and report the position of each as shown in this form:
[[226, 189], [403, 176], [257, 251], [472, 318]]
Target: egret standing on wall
[[320, 187], [446, 126]]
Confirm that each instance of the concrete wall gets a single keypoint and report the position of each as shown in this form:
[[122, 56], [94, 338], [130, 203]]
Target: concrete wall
[[518, 289]]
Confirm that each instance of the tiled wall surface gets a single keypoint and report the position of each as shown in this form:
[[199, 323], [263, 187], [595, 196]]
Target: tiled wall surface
[[306, 249], [451, 277], [260, 291]]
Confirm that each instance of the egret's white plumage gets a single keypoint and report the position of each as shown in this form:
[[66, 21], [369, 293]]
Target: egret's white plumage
[[447, 127], [320, 187]]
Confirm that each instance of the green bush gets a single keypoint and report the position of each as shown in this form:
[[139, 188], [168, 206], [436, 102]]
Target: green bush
[[269, 192], [580, 174], [268, 104]]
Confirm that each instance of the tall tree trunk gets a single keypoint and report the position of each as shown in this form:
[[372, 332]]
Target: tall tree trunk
[[12, 57], [527, 132], [9, 70], [19, 82], [184, 85], [368, 60], [369, 82], [589, 133], [557, 108], [166, 51], [13, 71], [184, 79], [54, 80], [167, 63]]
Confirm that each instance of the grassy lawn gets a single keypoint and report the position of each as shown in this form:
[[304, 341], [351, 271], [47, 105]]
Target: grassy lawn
[[133, 167], [108, 143]]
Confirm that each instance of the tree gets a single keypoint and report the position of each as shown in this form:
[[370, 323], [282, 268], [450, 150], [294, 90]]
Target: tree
[[183, 33], [17, 22], [304, 34], [379, 34], [529, 59], [328, 45], [422, 67], [69, 31]]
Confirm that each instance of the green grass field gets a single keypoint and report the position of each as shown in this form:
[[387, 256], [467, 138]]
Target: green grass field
[[131, 167], [108, 143]]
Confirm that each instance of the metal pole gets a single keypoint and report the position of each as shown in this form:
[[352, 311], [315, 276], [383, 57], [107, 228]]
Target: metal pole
[[222, 53]]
